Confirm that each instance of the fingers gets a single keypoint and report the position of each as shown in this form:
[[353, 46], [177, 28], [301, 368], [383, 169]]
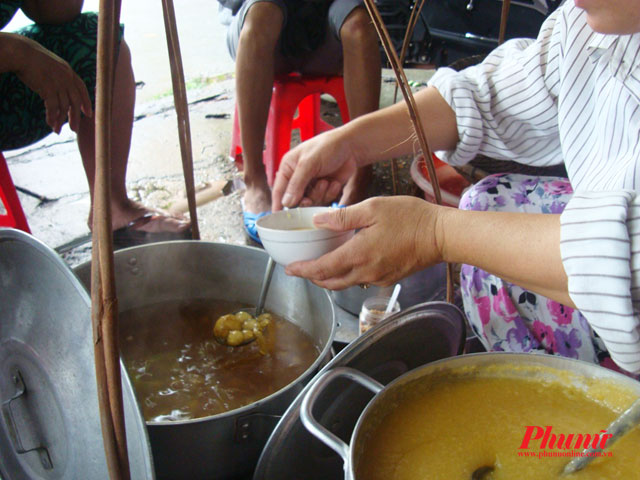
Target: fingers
[[315, 194], [78, 102], [56, 105], [67, 102], [291, 185], [343, 268], [298, 181], [333, 270], [281, 182], [65, 97], [349, 218], [85, 101], [64, 105], [321, 158]]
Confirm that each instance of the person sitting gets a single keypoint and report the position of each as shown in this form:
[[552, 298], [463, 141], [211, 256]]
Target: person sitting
[[48, 77], [272, 37], [556, 268]]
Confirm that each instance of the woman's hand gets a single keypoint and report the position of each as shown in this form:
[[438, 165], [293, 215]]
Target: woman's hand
[[63, 92], [397, 236], [315, 171]]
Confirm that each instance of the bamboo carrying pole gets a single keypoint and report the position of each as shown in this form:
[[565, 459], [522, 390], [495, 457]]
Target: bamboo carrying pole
[[413, 20], [182, 110], [504, 16], [104, 305], [408, 35], [413, 114]]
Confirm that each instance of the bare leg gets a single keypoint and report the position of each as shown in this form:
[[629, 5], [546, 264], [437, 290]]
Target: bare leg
[[362, 74], [123, 209], [257, 61]]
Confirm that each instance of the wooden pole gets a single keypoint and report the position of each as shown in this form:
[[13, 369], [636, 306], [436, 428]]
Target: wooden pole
[[182, 110], [403, 83], [504, 16], [413, 114], [408, 35], [104, 304]]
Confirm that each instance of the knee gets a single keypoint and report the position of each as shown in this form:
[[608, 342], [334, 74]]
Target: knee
[[358, 31], [46, 12], [262, 25]]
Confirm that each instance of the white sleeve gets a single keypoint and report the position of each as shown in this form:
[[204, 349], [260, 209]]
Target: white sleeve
[[600, 247], [506, 106]]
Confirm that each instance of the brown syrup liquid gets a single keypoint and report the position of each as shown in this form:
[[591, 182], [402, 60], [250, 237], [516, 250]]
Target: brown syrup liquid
[[180, 372]]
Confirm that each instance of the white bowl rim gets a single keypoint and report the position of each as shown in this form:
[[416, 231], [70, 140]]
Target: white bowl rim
[[326, 235], [262, 228]]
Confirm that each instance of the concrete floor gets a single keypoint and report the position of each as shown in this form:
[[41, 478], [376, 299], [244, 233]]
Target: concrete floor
[[51, 169]]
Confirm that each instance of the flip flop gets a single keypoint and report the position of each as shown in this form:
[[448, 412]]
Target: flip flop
[[131, 235], [250, 220]]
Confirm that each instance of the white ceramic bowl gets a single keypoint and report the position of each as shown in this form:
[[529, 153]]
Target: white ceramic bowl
[[290, 236]]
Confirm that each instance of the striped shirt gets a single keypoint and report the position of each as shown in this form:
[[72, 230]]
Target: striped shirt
[[573, 96]]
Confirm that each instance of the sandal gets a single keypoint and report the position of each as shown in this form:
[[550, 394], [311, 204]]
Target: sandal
[[250, 220]]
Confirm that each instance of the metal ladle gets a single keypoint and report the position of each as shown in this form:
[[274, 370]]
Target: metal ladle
[[266, 281], [621, 425]]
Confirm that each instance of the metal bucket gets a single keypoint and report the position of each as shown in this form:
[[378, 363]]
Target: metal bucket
[[227, 445], [523, 365], [427, 285]]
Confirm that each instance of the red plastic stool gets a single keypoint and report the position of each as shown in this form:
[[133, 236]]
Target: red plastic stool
[[291, 92], [15, 215]]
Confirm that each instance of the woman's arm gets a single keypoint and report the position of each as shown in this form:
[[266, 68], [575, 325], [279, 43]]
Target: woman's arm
[[587, 258], [387, 133], [521, 248], [401, 235]]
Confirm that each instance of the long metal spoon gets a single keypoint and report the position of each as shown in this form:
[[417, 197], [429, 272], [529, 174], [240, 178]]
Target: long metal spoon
[[621, 425], [266, 281]]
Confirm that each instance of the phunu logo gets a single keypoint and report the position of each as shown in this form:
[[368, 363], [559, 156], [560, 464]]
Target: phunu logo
[[562, 441]]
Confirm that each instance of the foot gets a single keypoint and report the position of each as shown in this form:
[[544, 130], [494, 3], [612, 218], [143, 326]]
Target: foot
[[357, 188], [161, 221], [257, 199]]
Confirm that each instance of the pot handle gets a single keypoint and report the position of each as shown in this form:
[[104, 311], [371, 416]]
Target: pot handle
[[308, 402]]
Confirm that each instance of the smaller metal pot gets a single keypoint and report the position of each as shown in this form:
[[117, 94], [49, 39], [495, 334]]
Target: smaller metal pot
[[427, 285], [526, 365]]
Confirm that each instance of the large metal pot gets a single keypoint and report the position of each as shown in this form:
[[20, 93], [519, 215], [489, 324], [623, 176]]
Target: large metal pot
[[553, 368], [226, 445]]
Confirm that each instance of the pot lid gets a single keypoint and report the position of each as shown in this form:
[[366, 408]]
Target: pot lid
[[404, 341], [50, 423]]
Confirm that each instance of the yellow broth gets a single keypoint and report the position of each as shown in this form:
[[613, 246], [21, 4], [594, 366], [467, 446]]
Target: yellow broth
[[450, 428], [180, 372]]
